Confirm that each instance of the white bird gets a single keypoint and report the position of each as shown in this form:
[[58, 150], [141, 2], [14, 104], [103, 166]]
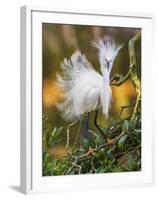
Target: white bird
[[85, 89]]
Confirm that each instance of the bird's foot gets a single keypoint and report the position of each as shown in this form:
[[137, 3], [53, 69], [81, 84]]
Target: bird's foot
[[111, 141], [91, 150], [116, 78]]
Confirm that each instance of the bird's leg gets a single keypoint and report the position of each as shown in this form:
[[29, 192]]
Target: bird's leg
[[84, 131], [68, 133], [96, 124], [78, 134], [87, 121]]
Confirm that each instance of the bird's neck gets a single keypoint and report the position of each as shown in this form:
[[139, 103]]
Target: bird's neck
[[106, 77], [105, 93], [106, 84]]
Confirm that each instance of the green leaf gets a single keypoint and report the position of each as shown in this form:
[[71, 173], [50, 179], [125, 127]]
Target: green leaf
[[131, 161], [113, 121], [49, 166], [46, 157], [137, 130], [133, 123], [53, 132], [54, 143], [59, 130], [122, 139], [96, 155], [99, 140], [102, 170], [85, 142], [109, 153], [125, 126]]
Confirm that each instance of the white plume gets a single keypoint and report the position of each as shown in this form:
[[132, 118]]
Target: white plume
[[79, 81], [108, 47]]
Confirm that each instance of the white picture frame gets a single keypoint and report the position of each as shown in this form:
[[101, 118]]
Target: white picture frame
[[31, 101]]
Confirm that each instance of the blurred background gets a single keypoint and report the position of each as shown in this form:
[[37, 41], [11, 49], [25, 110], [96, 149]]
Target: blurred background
[[59, 42]]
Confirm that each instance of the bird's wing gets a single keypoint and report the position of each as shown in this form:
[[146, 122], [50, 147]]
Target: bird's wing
[[76, 65], [72, 71], [92, 99]]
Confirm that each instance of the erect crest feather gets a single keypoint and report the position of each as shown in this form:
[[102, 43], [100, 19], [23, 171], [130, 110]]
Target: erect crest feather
[[108, 47]]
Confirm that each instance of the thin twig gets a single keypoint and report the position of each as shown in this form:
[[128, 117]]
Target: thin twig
[[124, 107], [114, 80], [87, 154], [92, 164], [112, 128], [128, 151]]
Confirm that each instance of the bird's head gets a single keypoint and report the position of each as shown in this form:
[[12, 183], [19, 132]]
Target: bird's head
[[107, 50]]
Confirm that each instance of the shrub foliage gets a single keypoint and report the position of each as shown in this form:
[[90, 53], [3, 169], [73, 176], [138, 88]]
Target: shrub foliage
[[106, 155]]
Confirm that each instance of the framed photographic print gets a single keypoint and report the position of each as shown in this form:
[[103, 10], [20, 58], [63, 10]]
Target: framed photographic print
[[86, 107]]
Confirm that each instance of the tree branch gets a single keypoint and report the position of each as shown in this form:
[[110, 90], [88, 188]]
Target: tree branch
[[124, 107], [117, 79], [133, 73]]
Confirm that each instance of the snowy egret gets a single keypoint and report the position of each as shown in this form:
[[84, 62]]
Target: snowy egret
[[85, 89]]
